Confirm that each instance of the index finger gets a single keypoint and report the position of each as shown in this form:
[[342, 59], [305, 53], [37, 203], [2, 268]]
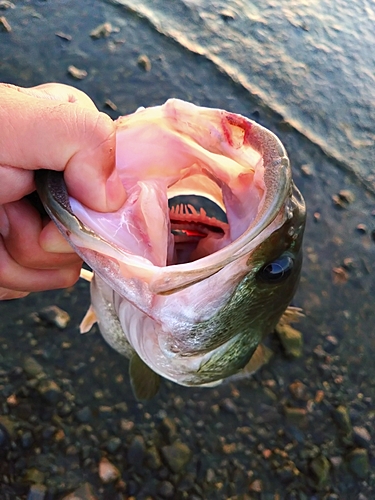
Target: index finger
[[58, 127]]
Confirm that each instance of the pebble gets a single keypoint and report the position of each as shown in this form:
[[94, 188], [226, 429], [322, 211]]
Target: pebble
[[320, 467], [177, 456], [359, 463], [136, 451], [291, 340], [27, 439], [168, 429], [49, 390], [361, 437], [144, 62], [53, 315], [153, 458], [166, 489], [113, 444], [108, 473], [84, 492], [32, 367], [84, 415], [341, 417], [37, 492], [78, 74], [102, 31]]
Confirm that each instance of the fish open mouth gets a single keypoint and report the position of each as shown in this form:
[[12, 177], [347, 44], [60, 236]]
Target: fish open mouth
[[194, 218]]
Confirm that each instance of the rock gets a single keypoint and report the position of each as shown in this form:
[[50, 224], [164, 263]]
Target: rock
[[296, 416], [55, 316], [102, 31], [228, 405], [32, 367], [84, 415], [49, 390], [78, 74], [166, 489], [341, 417], [144, 62], [359, 463], [27, 439], [34, 475], [136, 451], [84, 492], [153, 458], [37, 492], [320, 467], [361, 437], [168, 429], [108, 473], [113, 444], [291, 340], [177, 456]]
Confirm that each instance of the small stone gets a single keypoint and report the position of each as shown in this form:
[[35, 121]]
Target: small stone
[[341, 417], [166, 489], [64, 36], [144, 62], [359, 463], [4, 25], [27, 439], [49, 390], [113, 444], [168, 429], [32, 367], [361, 437], [320, 467], [153, 458], [362, 228], [84, 415], [256, 486], [298, 389], [316, 216], [295, 416], [177, 456], [55, 316], [343, 198], [34, 475], [102, 31], [78, 74], [84, 492], [108, 473], [291, 340], [5, 4], [306, 170], [110, 104], [227, 15], [340, 275], [228, 405], [136, 451], [37, 492]]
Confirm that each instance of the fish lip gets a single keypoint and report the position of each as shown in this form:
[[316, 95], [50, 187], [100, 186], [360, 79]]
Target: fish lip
[[165, 280]]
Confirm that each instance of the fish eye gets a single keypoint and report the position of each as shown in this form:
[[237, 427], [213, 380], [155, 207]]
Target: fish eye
[[277, 270]]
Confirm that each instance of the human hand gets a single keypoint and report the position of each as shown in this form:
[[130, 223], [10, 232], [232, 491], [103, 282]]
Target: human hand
[[56, 127]]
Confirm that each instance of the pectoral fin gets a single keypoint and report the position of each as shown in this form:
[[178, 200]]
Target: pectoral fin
[[145, 382], [88, 321]]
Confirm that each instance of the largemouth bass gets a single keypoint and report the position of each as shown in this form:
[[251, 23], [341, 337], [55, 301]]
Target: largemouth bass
[[204, 256]]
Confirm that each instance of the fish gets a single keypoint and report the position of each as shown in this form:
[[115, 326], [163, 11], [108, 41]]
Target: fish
[[204, 256]]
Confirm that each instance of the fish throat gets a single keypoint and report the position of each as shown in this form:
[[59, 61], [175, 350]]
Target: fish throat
[[197, 223]]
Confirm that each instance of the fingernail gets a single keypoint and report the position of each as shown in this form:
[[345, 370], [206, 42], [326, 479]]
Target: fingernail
[[115, 192], [51, 240], [4, 222]]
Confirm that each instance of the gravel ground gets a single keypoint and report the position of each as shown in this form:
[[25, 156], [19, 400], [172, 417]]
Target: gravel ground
[[301, 428]]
